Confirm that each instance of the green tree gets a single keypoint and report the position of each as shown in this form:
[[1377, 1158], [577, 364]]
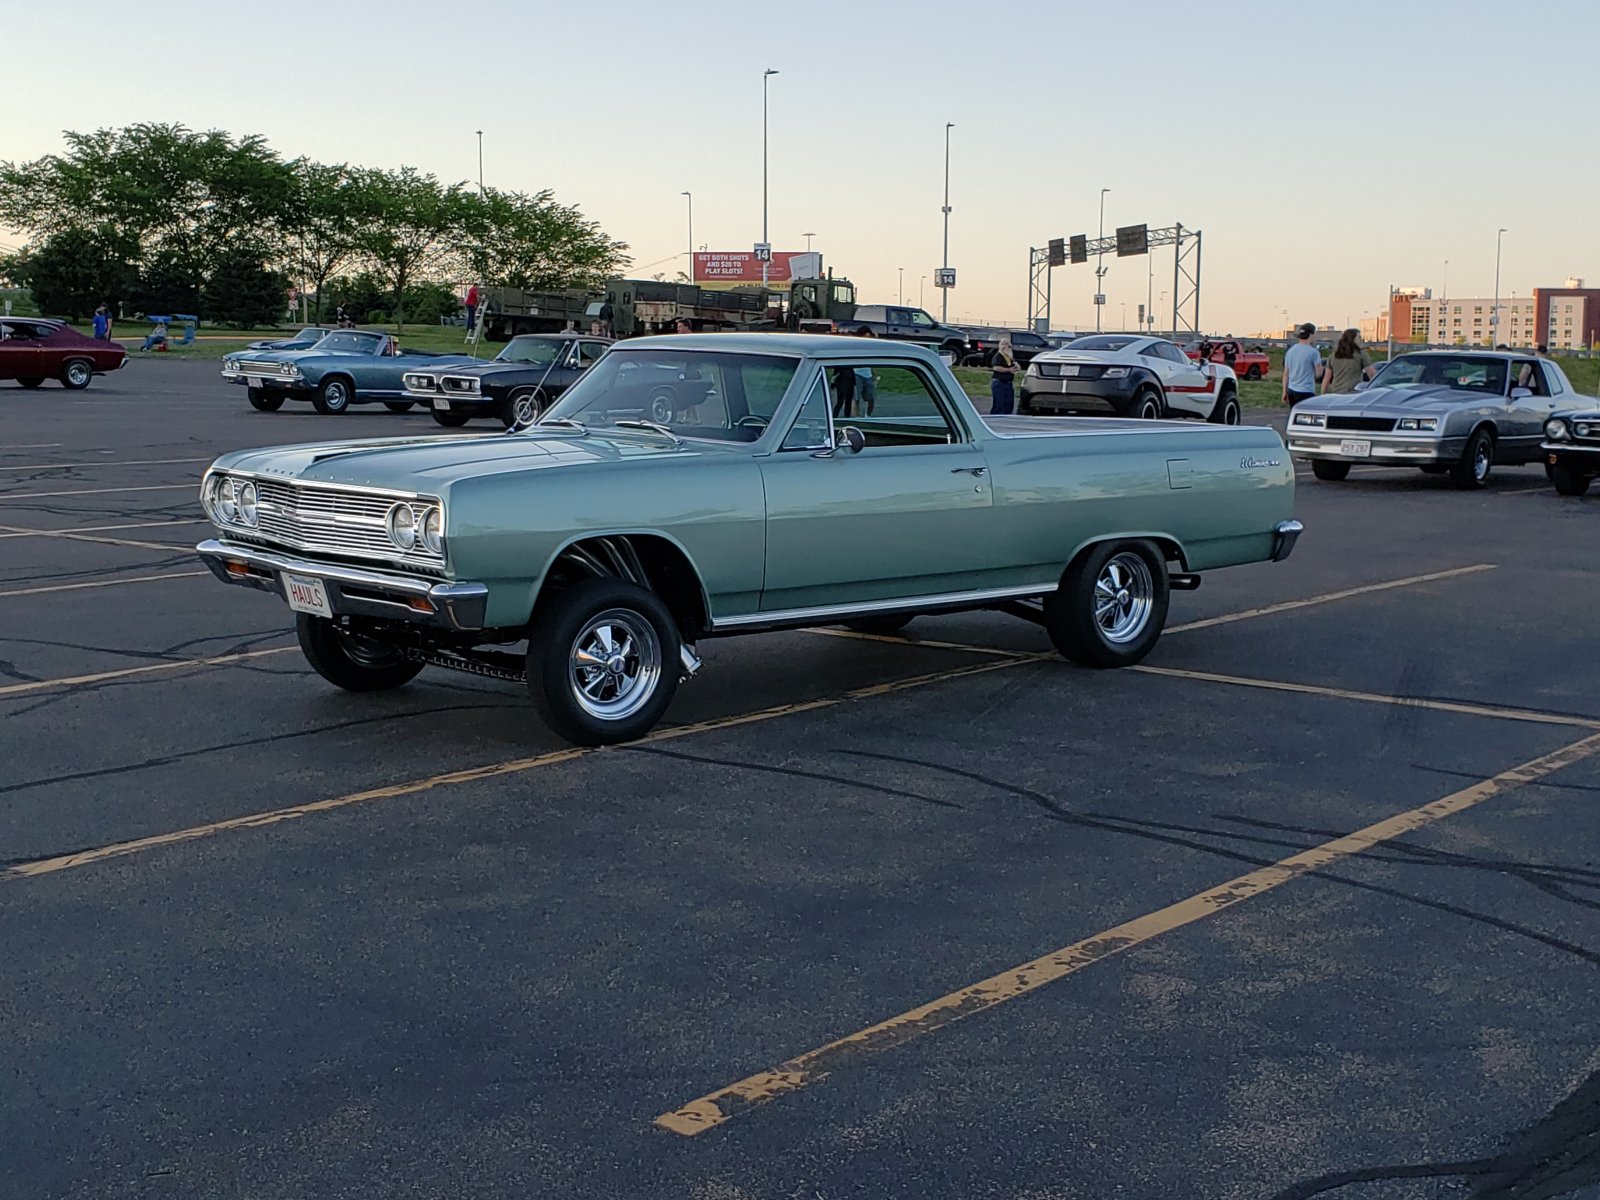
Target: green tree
[[169, 283], [242, 291], [410, 227], [321, 224], [72, 272], [522, 241]]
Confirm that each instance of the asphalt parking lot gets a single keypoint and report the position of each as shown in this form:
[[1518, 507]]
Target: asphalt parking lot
[[1306, 905]]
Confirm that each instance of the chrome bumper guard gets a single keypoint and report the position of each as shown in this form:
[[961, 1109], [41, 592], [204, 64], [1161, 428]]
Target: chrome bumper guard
[[352, 591], [1284, 535]]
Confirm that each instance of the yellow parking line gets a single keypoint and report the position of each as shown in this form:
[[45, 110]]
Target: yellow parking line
[[1327, 597], [220, 660], [63, 862], [102, 583], [813, 1066], [154, 487], [72, 535], [21, 532], [105, 462], [1308, 689]]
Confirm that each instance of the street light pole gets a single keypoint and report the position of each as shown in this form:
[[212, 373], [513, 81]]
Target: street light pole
[[902, 271], [765, 75], [920, 283], [1494, 313], [808, 237], [1100, 264], [689, 196], [944, 304]]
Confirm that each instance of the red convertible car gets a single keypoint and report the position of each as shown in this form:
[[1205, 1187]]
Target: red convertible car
[[33, 349]]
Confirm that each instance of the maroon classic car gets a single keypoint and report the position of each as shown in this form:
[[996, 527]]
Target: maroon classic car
[[33, 349]]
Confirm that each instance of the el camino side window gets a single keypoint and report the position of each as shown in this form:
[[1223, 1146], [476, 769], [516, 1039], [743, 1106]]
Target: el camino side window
[[812, 429], [896, 406]]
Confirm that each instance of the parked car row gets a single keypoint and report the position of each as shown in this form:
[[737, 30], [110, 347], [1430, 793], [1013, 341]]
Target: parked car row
[[35, 349]]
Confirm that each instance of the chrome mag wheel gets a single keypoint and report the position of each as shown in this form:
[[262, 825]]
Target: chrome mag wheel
[[1123, 596], [615, 665]]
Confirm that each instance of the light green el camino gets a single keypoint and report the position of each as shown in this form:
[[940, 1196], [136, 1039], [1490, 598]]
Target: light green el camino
[[705, 485]]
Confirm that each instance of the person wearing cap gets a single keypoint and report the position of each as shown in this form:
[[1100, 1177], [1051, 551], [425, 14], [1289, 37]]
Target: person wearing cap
[[1302, 367]]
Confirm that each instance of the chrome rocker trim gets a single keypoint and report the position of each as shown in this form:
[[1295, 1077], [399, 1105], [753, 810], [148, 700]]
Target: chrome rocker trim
[[352, 591]]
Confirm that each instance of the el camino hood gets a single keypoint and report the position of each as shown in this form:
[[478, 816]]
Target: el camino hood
[[1402, 399], [429, 464]]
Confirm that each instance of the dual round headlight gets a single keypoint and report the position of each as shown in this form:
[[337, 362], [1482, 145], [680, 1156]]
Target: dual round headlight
[[409, 524], [1555, 429], [232, 501], [1583, 429]]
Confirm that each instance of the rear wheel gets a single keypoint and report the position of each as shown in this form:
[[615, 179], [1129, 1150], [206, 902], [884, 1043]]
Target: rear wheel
[[1111, 606], [76, 374], [1227, 410], [398, 405], [350, 661], [1477, 460], [1329, 472], [883, 626], [522, 407], [451, 420], [603, 662], [264, 401], [1147, 405], [1569, 482], [1253, 373], [332, 396], [30, 383]]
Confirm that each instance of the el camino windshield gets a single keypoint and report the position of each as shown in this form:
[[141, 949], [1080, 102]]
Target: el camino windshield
[[1467, 373], [698, 394], [357, 343], [538, 352]]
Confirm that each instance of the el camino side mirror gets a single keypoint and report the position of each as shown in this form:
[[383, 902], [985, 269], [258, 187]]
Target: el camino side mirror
[[847, 440]]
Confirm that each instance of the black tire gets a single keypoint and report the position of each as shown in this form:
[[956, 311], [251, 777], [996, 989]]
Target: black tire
[[1433, 468], [332, 396], [1253, 373], [1477, 461], [1111, 606], [264, 401], [398, 406], [531, 402], [451, 420], [1147, 405], [1569, 482], [348, 661], [1226, 411], [883, 626], [76, 374], [1549, 470], [1024, 406], [30, 383], [570, 697], [1330, 472]]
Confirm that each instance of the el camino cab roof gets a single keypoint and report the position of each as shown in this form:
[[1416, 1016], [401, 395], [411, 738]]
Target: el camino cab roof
[[807, 345]]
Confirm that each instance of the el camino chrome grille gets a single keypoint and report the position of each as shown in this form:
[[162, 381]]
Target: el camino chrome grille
[[1364, 424], [330, 520]]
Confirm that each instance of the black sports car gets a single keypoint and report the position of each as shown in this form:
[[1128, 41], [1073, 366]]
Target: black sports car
[[515, 387]]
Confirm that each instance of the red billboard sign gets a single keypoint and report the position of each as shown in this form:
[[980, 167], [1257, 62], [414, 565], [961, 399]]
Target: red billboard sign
[[736, 268]]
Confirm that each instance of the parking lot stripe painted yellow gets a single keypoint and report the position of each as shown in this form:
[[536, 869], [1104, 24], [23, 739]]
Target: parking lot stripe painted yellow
[[803, 1070], [81, 858], [73, 535], [1311, 689], [154, 487], [102, 583], [220, 660], [1327, 597], [105, 462], [19, 531]]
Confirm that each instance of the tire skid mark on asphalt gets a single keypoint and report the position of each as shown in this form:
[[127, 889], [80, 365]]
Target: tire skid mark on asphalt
[[80, 858], [75, 536], [105, 462], [153, 487], [105, 583], [19, 531], [814, 1066]]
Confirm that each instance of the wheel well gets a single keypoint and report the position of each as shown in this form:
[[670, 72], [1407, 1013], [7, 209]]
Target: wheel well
[[649, 560], [1171, 551], [349, 382]]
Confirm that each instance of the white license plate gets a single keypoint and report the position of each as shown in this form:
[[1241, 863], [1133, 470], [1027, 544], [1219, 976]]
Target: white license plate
[[306, 595], [440, 404], [1355, 449], [1069, 370]]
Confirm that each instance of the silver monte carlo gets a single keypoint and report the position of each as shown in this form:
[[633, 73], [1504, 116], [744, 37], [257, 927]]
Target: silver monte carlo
[[1455, 411]]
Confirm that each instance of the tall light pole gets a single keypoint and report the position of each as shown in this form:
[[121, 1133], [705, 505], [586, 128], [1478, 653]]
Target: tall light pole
[[944, 304], [920, 284], [765, 75], [1100, 264], [480, 164], [902, 271], [1494, 313], [808, 237], [689, 196]]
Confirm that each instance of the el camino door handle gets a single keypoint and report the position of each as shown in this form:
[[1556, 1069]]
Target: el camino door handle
[[973, 471]]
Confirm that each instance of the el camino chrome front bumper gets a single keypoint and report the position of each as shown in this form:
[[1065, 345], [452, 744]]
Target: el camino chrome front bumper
[[353, 591], [1403, 449]]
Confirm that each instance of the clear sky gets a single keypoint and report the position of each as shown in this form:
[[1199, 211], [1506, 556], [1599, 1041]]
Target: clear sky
[[1326, 151]]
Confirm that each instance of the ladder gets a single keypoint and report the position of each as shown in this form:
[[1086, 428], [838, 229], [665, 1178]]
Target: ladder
[[475, 330]]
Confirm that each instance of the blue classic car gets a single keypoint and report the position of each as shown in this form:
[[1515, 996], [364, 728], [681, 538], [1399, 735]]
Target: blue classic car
[[302, 340], [350, 366]]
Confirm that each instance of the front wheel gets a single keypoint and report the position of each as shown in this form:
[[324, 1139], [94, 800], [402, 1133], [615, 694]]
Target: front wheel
[[398, 405], [264, 401], [1330, 472], [603, 662], [332, 396], [451, 420], [30, 383], [522, 407], [350, 661], [1227, 410], [1111, 606], [1569, 482], [1477, 460], [76, 374]]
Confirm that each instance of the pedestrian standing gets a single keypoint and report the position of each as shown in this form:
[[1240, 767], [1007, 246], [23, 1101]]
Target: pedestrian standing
[[472, 305], [866, 384], [1002, 387], [1348, 366], [102, 324], [683, 326], [1302, 367]]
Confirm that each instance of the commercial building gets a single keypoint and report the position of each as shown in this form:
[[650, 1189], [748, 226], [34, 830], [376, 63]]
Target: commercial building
[[1567, 317], [1564, 318]]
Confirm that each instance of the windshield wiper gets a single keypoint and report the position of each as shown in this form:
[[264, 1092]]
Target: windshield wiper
[[564, 422], [653, 427]]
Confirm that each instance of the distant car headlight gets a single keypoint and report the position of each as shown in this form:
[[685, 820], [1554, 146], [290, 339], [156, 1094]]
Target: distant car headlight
[[225, 502], [1582, 429], [1115, 372], [1419, 423], [286, 369], [433, 530], [1555, 429], [1319, 420], [402, 526]]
